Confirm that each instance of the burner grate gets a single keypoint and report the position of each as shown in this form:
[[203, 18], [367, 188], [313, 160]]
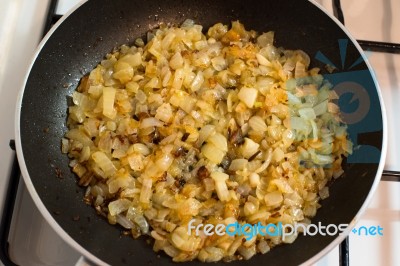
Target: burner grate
[[344, 250], [385, 47]]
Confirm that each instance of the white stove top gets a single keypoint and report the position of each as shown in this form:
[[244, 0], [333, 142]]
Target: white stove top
[[37, 244]]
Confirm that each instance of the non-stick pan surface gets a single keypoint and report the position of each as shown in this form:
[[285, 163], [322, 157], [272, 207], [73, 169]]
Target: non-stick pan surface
[[94, 29]]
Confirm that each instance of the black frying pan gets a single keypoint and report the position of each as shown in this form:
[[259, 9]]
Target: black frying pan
[[83, 38]]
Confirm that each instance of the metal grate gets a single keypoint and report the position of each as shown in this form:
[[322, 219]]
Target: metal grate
[[385, 47], [11, 191]]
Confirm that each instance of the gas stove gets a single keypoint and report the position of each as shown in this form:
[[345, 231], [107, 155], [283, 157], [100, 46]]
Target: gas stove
[[29, 240]]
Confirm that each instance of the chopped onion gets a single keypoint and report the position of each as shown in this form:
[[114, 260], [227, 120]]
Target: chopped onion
[[212, 153], [249, 148], [266, 39], [164, 162], [219, 63], [262, 60], [211, 254], [181, 240], [166, 42], [238, 164], [204, 133], [176, 61], [273, 199], [133, 60], [157, 129], [178, 79], [146, 193], [321, 108], [141, 148], [324, 193], [219, 141], [257, 124], [104, 163], [135, 216], [333, 108], [254, 179], [300, 124], [136, 162], [164, 113], [249, 208], [278, 155], [118, 206], [124, 222], [307, 113], [263, 246], [188, 23], [150, 122], [197, 81], [108, 102], [220, 185], [65, 145], [248, 96], [247, 253], [282, 185]]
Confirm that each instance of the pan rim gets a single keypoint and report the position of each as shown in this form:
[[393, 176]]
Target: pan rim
[[339, 239], [88, 255]]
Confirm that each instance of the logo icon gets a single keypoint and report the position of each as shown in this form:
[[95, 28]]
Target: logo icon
[[358, 102]]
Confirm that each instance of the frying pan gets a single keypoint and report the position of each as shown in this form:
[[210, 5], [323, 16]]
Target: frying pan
[[82, 38]]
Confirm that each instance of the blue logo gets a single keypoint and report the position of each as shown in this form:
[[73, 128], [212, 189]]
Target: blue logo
[[358, 102], [368, 230]]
